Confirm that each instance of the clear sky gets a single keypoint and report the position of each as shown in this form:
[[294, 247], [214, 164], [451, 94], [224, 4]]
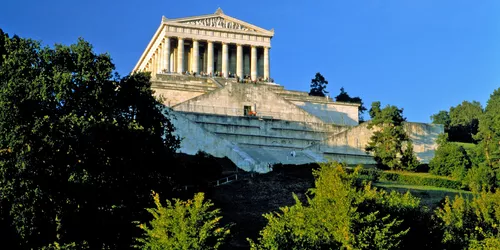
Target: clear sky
[[421, 55]]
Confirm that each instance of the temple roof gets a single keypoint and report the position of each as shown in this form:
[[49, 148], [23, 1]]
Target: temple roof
[[218, 20]]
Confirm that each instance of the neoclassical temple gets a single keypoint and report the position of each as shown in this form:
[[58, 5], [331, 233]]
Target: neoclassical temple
[[208, 44], [254, 122]]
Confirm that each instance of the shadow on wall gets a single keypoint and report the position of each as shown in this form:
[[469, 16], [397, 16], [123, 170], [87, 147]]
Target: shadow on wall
[[424, 138], [354, 140], [329, 113]]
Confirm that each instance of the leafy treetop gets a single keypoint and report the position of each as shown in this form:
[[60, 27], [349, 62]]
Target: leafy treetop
[[344, 97], [318, 85]]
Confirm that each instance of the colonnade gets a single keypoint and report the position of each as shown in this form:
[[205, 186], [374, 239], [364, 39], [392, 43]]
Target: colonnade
[[180, 55]]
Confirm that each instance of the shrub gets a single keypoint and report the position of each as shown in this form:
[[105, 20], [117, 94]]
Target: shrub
[[480, 177], [471, 224], [450, 160], [408, 159], [412, 179], [341, 215], [188, 224]]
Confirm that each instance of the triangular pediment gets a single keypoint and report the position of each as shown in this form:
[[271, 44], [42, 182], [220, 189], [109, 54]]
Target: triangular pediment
[[219, 21]]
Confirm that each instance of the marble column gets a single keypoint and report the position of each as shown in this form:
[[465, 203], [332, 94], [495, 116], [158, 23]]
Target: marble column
[[166, 55], [253, 63], [196, 57], [239, 61], [225, 60], [210, 59], [153, 64], [266, 63], [180, 55]]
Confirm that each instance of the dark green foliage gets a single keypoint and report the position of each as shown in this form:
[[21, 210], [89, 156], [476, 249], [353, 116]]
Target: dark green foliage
[[409, 160], [80, 150], [318, 85], [464, 121], [443, 118], [388, 139], [471, 224], [340, 216], [461, 122], [344, 97], [197, 170], [191, 224], [489, 131], [421, 180], [410, 178], [481, 177], [450, 159]]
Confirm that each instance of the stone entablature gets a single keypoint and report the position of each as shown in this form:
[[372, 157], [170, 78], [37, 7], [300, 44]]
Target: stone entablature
[[208, 44]]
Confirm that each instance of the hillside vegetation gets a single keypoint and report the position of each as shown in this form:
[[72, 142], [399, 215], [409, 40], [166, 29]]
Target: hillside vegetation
[[88, 161]]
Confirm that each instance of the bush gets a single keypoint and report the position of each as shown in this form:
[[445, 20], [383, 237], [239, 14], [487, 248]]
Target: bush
[[471, 224], [188, 224], [450, 160], [412, 179], [341, 215], [480, 178]]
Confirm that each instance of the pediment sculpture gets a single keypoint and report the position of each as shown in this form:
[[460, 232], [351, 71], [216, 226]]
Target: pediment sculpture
[[219, 22]]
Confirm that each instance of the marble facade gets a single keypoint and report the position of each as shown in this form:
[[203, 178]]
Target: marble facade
[[208, 44]]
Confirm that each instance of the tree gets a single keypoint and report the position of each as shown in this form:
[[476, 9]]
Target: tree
[[464, 120], [471, 224], [443, 118], [388, 138], [318, 85], [191, 224], [408, 159], [344, 97], [461, 122], [341, 215], [450, 159], [80, 149], [489, 131]]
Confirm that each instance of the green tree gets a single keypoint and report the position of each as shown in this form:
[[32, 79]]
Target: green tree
[[342, 215], [443, 118], [80, 148], [481, 177], [191, 224], [471, 224], [450, 159], [388, 138], [318, 85], [489, 131], [408, 158], [344, 97], [464, 121]]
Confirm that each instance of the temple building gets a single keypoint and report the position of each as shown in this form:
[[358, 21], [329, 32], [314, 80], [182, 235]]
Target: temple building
[[213, 73], [209, 44]]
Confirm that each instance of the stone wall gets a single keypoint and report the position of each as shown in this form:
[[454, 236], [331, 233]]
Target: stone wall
[[171, 97], [331, 112], [175, 89], [194, 138], [248, 130], [353, 141], [323, 107], [231, 99]]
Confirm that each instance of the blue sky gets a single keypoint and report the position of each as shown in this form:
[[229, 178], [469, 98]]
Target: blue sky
[[421, 55]]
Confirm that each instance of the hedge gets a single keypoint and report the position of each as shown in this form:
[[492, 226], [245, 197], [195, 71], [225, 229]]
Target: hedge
[[412, 179]]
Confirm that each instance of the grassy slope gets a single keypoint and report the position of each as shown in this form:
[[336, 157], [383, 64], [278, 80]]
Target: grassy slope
[[430, 196], [466, 145], [424, 175]]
